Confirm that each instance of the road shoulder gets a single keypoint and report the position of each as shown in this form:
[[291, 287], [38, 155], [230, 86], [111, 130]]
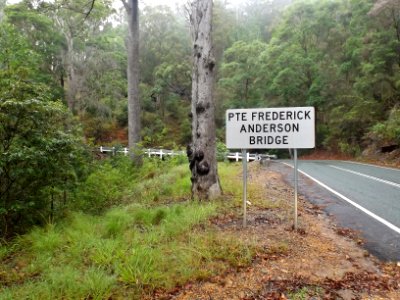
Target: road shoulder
[[320, 260]]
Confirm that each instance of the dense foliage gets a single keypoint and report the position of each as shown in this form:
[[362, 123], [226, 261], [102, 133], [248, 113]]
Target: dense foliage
[[340, 56], [40, 150], [62, 69]]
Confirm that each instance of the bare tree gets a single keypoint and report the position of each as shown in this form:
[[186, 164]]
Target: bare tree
[[202, 151], [134, 109]]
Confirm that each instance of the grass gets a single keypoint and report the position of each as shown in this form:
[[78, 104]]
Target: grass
[[232, 182], [117, 181], [306, 292], [128, 245], [154, 242]]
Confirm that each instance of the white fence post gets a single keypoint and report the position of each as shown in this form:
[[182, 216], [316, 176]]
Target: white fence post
[[161, 153]]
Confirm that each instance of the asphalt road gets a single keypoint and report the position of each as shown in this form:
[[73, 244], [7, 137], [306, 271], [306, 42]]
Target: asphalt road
[[363, 197]]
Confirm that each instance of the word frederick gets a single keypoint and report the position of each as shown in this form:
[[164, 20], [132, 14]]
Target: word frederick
[[270, 128], [270, 116]]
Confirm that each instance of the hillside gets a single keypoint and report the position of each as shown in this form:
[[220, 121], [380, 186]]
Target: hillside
[[339, 56]]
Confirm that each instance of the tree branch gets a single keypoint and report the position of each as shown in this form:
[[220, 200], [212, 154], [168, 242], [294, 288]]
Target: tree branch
[[125, 5], [90, 10]]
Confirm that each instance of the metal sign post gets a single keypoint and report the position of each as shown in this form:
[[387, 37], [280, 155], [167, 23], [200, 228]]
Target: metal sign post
[[296, 181], [244, 163], [270, 128]]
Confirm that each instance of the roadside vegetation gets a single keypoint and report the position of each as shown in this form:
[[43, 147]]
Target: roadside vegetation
[[73, 225], [63, 90], [139, 233]]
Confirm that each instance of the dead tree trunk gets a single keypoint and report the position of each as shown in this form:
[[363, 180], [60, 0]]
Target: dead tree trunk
[[134, 109], [202, 150]]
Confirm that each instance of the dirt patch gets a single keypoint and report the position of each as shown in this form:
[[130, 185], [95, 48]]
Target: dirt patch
[[319, 261]]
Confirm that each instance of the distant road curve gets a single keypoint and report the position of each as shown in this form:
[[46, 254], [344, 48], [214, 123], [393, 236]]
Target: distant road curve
[[367, 199]]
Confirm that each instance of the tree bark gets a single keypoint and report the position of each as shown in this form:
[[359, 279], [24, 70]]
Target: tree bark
[[2, 6], [70, 78], [202, 150], [134, 108]]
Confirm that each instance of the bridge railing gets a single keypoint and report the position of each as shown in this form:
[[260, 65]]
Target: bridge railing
[[149, 152], [236, 156], [249, 156]]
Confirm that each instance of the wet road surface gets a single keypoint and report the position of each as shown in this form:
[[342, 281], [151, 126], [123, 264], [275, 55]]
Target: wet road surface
[[362, 197]]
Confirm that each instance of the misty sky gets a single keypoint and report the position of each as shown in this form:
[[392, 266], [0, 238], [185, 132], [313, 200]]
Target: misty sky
[[171, 3]]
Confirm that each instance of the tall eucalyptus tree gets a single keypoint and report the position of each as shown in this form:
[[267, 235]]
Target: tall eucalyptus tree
[[202, 151], [134, 108], [75, 21]]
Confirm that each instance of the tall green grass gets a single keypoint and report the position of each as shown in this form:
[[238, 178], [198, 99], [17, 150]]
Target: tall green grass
[[152, 242], [87, 255]]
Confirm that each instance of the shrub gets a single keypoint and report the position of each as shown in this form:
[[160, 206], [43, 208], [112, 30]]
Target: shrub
[[41, 153], [117, 181], [387, 132], [40, 156], [222, 151]]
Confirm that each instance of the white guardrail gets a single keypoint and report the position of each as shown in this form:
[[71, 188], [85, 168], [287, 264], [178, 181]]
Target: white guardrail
[[162, 152]]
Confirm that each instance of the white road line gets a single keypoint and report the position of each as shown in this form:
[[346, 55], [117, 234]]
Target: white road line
[[369, 165], [363, 209], [367, 176]]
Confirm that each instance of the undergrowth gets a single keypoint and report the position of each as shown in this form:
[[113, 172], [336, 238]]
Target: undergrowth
[[150, 239], [117, 181]]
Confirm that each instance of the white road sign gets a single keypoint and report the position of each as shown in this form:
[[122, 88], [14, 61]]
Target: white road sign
[[270, 128]]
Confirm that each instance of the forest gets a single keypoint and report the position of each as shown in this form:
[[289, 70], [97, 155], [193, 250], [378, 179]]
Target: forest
[[63, 84], [75, 223]]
